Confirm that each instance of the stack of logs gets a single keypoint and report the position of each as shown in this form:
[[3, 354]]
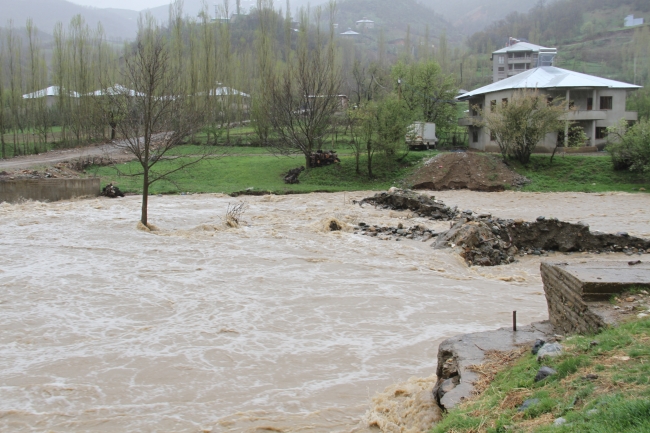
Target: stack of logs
[[322, 158]]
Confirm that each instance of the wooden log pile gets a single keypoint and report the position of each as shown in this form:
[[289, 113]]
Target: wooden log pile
[[322, 158]]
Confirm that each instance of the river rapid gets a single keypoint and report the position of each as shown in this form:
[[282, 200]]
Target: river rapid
[[278, 325]]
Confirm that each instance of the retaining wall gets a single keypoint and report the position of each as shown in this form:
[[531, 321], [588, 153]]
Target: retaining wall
[[578, 294], [13, 191]]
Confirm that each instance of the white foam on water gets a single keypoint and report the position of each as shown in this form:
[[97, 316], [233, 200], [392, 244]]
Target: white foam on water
[[276, 324]]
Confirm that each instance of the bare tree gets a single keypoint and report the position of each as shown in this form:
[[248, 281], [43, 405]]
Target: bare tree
[[303, 100], [155, 113]]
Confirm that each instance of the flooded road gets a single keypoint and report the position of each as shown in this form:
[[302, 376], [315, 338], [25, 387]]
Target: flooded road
[[278, 325]]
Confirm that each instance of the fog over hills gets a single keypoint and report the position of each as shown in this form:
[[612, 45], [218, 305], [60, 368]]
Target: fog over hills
[[467, 16], [117, 23]]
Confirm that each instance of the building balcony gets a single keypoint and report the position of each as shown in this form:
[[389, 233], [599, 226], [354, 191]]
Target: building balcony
[[585, 115], [469, 120]]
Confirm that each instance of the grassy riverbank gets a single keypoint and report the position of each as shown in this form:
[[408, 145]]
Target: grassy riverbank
[[264, 172], [602, 386], [239, 168]]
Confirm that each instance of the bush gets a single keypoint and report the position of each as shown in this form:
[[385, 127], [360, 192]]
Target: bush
[[629, 146]]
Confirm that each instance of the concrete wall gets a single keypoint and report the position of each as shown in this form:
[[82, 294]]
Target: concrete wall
[[48, 189], [578, 295]]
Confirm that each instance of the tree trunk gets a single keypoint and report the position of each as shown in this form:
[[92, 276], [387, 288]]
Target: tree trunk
[[145, 198], [113, 125]]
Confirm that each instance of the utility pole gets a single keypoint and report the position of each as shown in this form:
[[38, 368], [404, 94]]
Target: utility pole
[[399, 89]]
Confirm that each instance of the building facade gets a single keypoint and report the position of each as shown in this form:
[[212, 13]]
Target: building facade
[[518, 57], [595, 102]]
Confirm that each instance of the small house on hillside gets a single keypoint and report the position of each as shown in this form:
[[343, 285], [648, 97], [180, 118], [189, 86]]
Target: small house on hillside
[[630, 21], [365, 24], [518, 56], [350, 33], [50, 94], [597, 103]]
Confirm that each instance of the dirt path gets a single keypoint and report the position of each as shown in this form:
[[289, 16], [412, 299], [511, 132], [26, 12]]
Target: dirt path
[[56, 156]]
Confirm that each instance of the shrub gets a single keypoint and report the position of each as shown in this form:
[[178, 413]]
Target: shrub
[[629, 146]]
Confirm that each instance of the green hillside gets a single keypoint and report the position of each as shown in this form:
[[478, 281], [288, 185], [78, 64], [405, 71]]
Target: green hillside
[[589, 34]]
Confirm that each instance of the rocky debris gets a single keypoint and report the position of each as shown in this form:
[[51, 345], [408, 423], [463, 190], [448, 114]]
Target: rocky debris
[[543, 373], [465, 170], [528, 404], [112, 191], [59, 171], [292, 176], [538, 344], [559, 421], [417, 232], [457, 357], [549, 350], [486, 241], [404, 199], [481, 242], [322, 158]]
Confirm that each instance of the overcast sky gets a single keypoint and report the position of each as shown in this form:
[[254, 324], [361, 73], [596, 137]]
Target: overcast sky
[[137, 5]]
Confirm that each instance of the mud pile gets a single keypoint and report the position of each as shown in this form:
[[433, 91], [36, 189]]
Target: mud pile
[[485, 241], [464, 170], [420, 204]]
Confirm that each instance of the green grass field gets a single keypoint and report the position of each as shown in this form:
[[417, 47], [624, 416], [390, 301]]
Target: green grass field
[[578, 173], [239, 168], [264, 172]]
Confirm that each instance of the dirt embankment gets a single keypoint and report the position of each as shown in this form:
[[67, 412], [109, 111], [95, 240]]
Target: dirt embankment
[[464, 170]]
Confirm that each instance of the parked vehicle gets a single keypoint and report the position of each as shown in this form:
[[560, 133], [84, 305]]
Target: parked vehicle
[[422, 135]]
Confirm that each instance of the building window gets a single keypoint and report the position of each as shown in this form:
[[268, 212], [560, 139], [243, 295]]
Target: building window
[[501, 60], [493, 105], [475, 135], [501, 68], [590, 103], [601, 132], [504, 102], [606, 103]]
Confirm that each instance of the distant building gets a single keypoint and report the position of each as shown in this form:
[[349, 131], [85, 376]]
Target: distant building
[[630, 21], [50, 94], [365, 24], [350, 33], [518, 56], [597, 103]]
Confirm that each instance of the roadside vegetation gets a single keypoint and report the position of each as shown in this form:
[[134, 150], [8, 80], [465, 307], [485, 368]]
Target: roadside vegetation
[[602, 385]]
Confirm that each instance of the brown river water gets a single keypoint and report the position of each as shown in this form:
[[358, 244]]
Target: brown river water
[[278, 325]]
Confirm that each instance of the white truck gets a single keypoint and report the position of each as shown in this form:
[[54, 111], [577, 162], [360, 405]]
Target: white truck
[[421, 135]]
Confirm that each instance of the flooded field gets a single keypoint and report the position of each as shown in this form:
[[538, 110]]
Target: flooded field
[[279, 325]]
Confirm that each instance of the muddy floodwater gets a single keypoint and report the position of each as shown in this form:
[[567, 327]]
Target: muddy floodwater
[[278, 325]]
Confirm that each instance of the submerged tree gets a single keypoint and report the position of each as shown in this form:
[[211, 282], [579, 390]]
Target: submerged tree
[[155, 113]]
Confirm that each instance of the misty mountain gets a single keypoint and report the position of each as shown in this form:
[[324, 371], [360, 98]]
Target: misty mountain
[[117, 23], [472, 15]]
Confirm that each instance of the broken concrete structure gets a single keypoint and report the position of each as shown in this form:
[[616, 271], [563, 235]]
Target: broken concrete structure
[[578, 294], [578, 302]]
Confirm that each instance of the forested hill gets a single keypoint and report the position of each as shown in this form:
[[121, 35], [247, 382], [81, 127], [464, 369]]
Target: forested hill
[[469, 16], [589, 35], [394, 17], [559, 22]]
